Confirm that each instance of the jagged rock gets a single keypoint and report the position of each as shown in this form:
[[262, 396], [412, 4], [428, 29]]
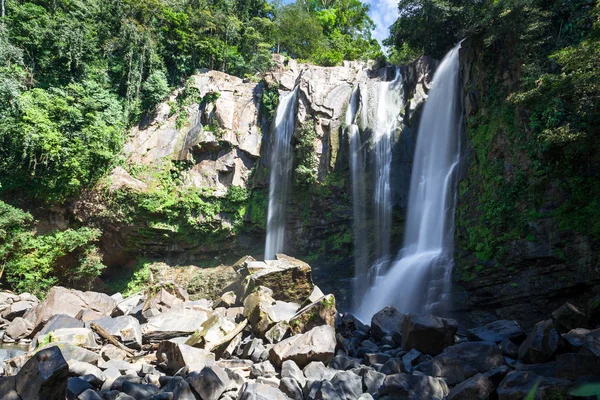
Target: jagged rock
[[256, 306], [211, 332], [227, 299], [372, 380], [112, 352], [289, 369], [318, 344], [460, 362], [60, 321], [176, 356], [317, 371], [478, 387], [126, 306], [386, 322], [412, 387], [72, 352], [125, 328], [498, 331], [257, 391], [17, 309], [349, 325], [173, 323], [409, 359], [269, 380], [518, 384], [60, 300], [541, 344], [343, 363], [328, 391], [569, 317], [289, 278], [139, 391], [76, 386], [82, 337], [163, 300], [291, 388], [321, 312], [392, 366], [89, 394], [80, 368], [591, 344], [18, 328], [427, 333], [44, 376], [278, 332], [348, 384], [509, 349], [179, 389], [576, 337], [264, 368]]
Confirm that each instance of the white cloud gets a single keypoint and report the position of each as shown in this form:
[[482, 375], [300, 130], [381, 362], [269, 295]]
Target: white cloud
[[384, 13]]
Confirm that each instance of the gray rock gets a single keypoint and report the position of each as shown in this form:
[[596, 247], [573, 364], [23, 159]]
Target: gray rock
[[72, 352], [376, 358], [278, 332], [122, 366], [576, 337], [342, 362], [318, 344], [409, 359], [89, 394], [269, 380], [110, 375], [509, 349], [541, 344], [392, 366], [386, 322], [126, 306], [328, 391], [591, 344], [44, 376], [412, 387], [257, 391], [11, 395], [82, 337], [173, 323], [211, 332], [179, 389], [518, 384], [317, 371], [175, 356], [427, 333], [76, 386], [498, 331], [291, 388], [125, 328], [348, 384], [18, 328], [80, 368], [264, 368], [372, 380], [210, 383], [566, 366], [17, 309], [478, 387], [462, 361], [139, 391], [60, 321], [118, 383], [569, 317], [289, 369]]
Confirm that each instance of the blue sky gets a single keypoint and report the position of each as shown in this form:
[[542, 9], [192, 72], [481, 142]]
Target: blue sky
[[383, 13]]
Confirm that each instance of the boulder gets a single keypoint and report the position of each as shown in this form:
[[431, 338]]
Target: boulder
[[264, 368], [209, 383], [257, 391], [291, 388], [427, 333], [349, 326], [126, 306], [318, 344], [278, 332], [44, 376], [82, 337], [72, 352], [17, 309], [321, 312], [256, 307], [139, 391], [518, 384], [328, 391], [163, 300], [211, 332], [591, 344], [566, 366], [509, 349], [576, 337], [464, 360], [498, 331], [478, 387], [386, 322], [125, 328], [175, 356], [80, 368], [60, 321], [348, 384], [568, 317], [289, 369], [76, 386], [541, 344], [317, 371], [372, 380], [289, 278], [178, 388], [412, 387], [18, 328], [173, 323]]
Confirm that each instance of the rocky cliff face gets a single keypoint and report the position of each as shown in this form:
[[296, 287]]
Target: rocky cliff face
[[515, 258], [193, 187]]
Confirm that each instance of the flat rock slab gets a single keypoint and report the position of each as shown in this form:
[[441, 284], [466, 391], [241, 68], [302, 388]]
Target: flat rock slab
[[318, 344], [498, 331]]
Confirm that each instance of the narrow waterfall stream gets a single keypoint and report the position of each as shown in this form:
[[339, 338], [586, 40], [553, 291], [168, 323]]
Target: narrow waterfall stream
[[389, 104], [281, 171], [418, 280], [357, 168]]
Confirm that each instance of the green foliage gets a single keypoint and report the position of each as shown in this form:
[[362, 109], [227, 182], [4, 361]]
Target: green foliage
[[269, 102], [590, 389], [305, 172], [33, 263], [154, 90]]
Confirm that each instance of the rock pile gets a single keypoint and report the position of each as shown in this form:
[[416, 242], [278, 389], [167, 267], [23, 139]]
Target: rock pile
[[272, 335]]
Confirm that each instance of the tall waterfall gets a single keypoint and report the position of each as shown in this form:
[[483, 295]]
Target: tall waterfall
[[388, 107], [357, 167], [281, 171], [418, 280]]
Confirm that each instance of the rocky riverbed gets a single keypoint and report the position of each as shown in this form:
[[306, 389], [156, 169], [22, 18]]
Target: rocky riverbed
[[274, 335]]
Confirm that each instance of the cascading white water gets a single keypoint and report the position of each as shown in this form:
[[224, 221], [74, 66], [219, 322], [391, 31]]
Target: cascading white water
[[390, 100], [357, 167], [417, 281], [281, 171]]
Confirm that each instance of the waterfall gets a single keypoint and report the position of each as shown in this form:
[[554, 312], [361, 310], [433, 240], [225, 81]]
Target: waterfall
[[420, 277], [357, 167], [281, 171], [389, 105]]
